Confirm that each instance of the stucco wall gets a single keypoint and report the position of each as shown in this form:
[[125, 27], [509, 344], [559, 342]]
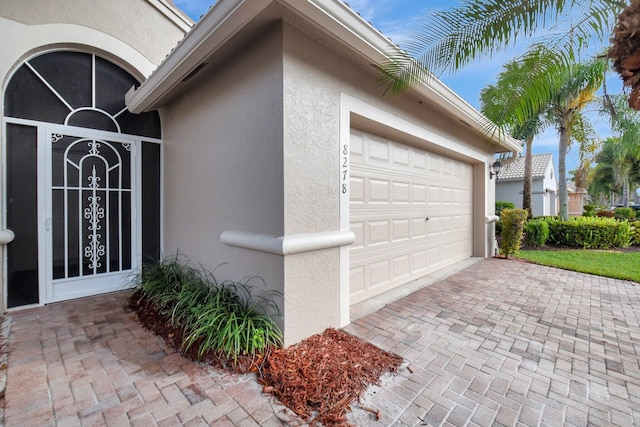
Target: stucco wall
[[223, 163], [576, 204], [134, 22], [255, 146], [315, 81]]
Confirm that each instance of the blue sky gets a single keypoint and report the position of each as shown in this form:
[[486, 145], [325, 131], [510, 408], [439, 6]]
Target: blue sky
[[397, 19]]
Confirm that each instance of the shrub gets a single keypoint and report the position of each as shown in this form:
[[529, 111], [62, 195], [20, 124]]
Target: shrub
[[499, 207], [589, 210], [623, 214], [635, 232], [233, 321], [512, 223], [589, 233], [225, 317], [503, 205], [536, 232]]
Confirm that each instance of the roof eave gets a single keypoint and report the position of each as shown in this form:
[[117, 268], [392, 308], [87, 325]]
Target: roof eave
[[178, 17], [228, 17]]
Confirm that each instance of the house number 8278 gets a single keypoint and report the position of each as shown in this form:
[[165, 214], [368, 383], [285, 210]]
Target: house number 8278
[[345, 168]]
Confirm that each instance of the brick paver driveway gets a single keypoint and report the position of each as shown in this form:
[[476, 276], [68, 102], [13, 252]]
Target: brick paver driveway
[[499, 343], [509, 343]]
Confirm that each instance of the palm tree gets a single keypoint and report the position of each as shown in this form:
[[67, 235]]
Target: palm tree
[[573, 88], [625, 122], [451, 39], [615, 170], [581, 83], [497, 103], [558, 30], [625, 50]]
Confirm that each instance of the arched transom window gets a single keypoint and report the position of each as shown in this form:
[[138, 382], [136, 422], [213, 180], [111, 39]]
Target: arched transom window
[[76, 89]]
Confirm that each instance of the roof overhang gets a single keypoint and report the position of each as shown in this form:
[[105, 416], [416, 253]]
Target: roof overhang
[[167, 8], [228, 18]]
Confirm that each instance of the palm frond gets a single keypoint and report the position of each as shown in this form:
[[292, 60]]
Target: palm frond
[[449, 40]]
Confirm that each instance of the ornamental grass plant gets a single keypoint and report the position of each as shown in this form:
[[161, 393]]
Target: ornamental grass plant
[[228, 318]]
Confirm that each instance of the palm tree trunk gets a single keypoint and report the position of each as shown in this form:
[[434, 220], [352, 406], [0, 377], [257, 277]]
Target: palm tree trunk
[[528, 177], [625, 191], [563, 146]]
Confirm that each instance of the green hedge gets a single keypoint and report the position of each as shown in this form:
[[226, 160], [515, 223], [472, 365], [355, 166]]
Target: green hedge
[[624, 214], [635, 232], [589, 210], [503, 205], [536, 232], [589, 233]]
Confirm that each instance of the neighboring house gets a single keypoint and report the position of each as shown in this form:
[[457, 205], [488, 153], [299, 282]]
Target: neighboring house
[[278, 157], [543, 188], [578, 197]]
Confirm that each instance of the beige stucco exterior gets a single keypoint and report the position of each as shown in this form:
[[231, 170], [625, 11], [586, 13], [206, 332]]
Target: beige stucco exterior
[[224, 163], [257, 103], [150, 27], [253, 146]]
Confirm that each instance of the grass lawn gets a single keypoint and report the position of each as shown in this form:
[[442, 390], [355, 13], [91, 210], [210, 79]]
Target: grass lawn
[[615, 264]]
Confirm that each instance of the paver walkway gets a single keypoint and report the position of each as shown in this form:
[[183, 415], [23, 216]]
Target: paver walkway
[[87, 362], [499, 343]]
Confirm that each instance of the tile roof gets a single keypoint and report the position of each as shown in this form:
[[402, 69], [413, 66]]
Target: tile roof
[[515, 170], [572, 188]]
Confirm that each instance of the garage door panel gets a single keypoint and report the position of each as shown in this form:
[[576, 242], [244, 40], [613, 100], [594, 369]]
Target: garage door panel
[[356, 279], [400, 155], [419, 261], [356, 145], [356, 190], [400, 230], [418, 227], [378, 191], [434, 195], [379, 272], [419, 194], [377, 150], [398, 187], [376, 233], [401, 192], [401, 266], [358, 230]]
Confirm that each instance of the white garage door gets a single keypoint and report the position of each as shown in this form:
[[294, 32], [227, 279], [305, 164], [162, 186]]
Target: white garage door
[[410, 211]]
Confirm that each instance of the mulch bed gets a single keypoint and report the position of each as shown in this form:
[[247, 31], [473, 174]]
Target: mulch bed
[[320, 377], [317, 378]]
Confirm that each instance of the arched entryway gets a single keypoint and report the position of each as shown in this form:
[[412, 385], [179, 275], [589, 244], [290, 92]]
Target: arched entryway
[[82, 179]]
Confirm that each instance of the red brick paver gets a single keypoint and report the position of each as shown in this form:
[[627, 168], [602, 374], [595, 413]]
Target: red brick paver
[[499, 343], [512, 344], [88, 363]]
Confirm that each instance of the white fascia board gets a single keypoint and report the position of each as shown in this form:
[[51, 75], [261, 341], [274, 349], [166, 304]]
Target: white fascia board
[[173, 13], [227, 17]]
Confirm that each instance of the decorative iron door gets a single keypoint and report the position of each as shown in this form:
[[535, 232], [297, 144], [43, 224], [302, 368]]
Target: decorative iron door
[[90, 214]]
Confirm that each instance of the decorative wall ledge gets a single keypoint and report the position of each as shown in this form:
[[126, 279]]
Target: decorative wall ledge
[[287, 245], [6, 236], [491, 218]]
